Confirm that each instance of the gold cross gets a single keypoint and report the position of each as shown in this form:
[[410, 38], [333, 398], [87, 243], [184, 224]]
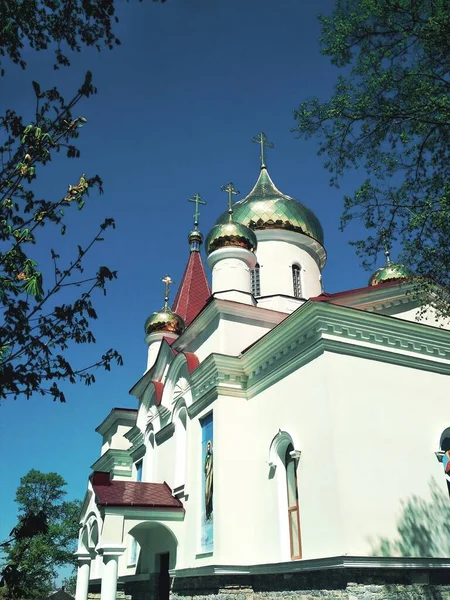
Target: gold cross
[[231, 192], [197, 199], [261, 139], [168, 281]]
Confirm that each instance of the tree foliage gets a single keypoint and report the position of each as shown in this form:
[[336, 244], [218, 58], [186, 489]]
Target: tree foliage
[[44, 311], [55, 24], [44, 538], [389, 117]]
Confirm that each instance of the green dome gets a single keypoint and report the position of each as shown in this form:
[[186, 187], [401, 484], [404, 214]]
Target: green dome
[[230, 233], [267, 208], [164, 320], [390, 272]]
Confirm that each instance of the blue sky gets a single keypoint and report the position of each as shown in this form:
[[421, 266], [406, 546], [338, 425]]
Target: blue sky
[[176, 107]]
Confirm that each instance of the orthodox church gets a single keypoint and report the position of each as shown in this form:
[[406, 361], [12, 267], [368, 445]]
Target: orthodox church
[[286, 441]]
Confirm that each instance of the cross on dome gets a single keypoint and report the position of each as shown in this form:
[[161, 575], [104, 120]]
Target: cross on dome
[[261, 139], [168, 282], [197, 199], [231, 192]]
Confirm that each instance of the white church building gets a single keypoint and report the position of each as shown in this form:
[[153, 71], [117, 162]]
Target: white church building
[[287, 442]]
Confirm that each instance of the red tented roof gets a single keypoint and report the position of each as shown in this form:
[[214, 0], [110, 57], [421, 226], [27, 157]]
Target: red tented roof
[[133, 493], [194, 290]]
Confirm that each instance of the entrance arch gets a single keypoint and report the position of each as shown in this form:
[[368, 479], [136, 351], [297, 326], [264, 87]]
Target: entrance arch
[[157, 554]]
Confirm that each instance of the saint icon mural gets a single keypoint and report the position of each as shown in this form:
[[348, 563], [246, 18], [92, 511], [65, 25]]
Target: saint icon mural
[[208, 481], [207, 515]]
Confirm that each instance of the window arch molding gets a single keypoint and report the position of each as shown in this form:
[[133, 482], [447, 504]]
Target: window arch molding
[[178, 383], [278, 447], [283, 463]]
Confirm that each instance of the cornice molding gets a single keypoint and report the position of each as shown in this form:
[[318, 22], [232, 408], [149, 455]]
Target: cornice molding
[[307, 333], [115, 461], [225, 309], [317, 564], [135, 436], [146, 513]]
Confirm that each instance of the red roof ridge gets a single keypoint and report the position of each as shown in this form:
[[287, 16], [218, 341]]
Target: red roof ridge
[[193, 291]]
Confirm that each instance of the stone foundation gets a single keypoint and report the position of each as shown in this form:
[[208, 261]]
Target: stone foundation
[[332, 584]]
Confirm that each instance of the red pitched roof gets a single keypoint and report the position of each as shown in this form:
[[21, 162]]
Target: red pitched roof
[[194, 290], [325, 297], [138, 494]]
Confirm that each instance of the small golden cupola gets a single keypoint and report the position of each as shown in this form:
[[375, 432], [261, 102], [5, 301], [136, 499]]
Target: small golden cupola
[[230, 232], [389, 272], [230, 247], [165, 320]]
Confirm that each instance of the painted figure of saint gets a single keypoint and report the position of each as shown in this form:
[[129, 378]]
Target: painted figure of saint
[[208, 480]]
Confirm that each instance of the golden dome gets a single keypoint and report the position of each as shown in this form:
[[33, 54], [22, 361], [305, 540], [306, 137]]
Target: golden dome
[[230, 234], [390, 272], [164, 320], [266, 207]]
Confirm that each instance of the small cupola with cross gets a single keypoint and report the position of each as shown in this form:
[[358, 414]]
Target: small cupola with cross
[[230, 247]]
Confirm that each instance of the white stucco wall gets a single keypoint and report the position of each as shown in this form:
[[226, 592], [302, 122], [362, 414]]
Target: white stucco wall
[[229, 336], [252, 526], [427, 317], [114, 438], [386, 428]]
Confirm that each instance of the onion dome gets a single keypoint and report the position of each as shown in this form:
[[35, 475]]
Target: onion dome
[[266, 207], [195, 239], [389, 272], [230, 234], [165, 319]]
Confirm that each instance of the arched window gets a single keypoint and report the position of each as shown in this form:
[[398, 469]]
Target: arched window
[[255, 282], [180, 420], [290, 462], [150, 456], [444, 455], [296, 281], [283, 463], [138, 467]]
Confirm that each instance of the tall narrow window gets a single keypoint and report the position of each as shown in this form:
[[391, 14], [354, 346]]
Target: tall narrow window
[[139, 471], [133, 551], [296, 282], [292, 498], [254, 280], [180, 421]]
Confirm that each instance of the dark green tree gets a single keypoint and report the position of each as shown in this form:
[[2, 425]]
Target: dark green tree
[[43, 313], [389, 119], [44, 539]]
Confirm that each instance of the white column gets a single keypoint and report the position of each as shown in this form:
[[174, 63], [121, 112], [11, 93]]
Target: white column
[[83, 572], [110, 568]]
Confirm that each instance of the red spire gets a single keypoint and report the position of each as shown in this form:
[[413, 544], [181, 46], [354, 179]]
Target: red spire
[[194, 289]]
